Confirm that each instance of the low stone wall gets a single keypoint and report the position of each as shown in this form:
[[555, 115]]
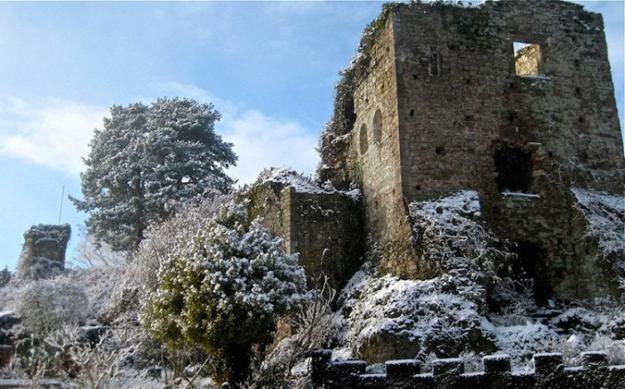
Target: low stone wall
[[549, 372]]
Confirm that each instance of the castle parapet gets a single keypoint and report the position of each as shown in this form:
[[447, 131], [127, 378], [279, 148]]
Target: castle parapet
[[549, 372]]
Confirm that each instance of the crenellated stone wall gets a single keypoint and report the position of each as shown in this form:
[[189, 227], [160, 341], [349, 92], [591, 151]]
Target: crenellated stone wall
[[549, 372]]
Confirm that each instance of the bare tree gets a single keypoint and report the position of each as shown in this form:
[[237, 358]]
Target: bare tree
[[95, 366], [316, 323], [92, 253]]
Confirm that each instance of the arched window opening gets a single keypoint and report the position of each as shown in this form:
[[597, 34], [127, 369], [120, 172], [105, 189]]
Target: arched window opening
[[377, 126], [364, 141]]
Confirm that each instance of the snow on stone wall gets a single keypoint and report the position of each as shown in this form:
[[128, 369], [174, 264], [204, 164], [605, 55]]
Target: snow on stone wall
[[321, 224]]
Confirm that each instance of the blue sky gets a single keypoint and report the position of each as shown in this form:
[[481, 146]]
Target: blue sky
[[269, 67]]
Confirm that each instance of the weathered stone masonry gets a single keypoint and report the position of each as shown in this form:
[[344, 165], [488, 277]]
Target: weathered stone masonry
[[43, 254], [324, 227], [440, 107]]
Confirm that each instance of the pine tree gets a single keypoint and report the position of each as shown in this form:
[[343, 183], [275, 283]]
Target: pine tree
[[145, 161]]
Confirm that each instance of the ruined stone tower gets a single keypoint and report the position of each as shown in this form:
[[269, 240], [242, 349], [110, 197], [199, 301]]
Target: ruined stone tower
[[43, 254], [513, 99]]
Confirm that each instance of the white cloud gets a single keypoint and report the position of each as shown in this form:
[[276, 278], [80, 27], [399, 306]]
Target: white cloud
[[55, 133], [261, 141]]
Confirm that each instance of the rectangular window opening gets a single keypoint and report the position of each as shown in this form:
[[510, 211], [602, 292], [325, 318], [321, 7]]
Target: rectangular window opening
[[514, 170], [527, 59]]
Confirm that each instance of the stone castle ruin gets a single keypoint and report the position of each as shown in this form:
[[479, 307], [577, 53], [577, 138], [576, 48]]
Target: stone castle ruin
[[511, 99], [485, 144], [43, 254]]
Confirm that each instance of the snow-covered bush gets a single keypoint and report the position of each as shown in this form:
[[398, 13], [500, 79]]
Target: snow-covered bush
[[160, 239], [139, 276], [521, 342], [577, 319], [79, 362], [99, 284], [97, 365], [91, 253], [224, 289], [34, 360], [46, 305]]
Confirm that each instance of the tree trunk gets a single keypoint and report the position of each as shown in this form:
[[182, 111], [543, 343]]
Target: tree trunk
[[237, 358]]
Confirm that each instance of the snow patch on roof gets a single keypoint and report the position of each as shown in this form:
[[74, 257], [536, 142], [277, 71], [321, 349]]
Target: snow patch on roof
[[290, 178]]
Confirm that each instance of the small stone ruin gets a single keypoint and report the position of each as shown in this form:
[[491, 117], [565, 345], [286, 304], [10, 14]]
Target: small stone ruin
[[43, 254]]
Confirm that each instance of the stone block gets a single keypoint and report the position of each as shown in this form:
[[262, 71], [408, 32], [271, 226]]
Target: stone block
[[546, 364], [497, 364], [402, 369]]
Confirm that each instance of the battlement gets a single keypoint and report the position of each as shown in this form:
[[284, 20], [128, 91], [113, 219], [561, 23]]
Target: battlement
[[549, 372]]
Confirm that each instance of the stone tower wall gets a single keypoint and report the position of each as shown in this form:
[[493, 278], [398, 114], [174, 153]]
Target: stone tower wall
[[43, 254], [460, 99], [378, 163], [445, 79]]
